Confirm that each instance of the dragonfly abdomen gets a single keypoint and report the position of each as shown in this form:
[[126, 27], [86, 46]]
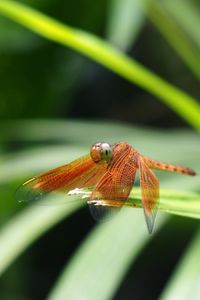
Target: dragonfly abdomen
[[169, 167]]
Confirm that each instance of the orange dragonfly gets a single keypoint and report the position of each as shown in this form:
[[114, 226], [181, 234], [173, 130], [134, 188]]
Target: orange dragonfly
[[109, 171]]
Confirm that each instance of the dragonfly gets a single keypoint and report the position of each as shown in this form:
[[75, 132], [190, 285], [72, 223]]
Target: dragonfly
[[109, 171]]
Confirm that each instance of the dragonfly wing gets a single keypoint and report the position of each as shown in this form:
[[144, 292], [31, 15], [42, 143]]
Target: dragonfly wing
[[112, 190], [150, 193], [75, 175]]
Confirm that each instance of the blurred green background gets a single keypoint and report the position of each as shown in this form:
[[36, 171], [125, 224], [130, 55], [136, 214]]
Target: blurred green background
[[54, 103]]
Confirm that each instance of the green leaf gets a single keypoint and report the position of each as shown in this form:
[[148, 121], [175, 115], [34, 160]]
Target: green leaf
[[186, 13], [182, 103], [28, 226], [99, 265], [174, 202], [125, 20], [174, 34], [117, 244], [184, 283], [31, 223]]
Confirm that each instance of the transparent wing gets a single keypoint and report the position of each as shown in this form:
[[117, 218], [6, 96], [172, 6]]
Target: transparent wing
[[150, 193], [71, 177], [113, 189]]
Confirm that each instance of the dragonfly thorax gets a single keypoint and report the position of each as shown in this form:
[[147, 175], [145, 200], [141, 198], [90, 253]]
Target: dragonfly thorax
[[101, 152]]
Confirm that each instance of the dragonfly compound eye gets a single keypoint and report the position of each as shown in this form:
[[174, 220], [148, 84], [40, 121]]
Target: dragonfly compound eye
[[101, 152]]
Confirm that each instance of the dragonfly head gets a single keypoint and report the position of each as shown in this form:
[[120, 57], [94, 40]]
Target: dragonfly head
[[101, 152]]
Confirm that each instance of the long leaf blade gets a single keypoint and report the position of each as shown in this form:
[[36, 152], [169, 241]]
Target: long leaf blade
[[125, 20], [175, 35], [26, 227], [31, 223], [182, 103], [100, 264], [184, 283]]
